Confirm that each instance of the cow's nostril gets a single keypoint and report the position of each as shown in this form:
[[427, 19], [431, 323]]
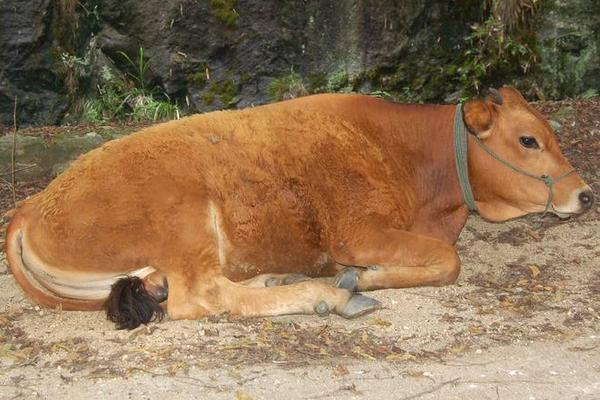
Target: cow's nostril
[[586, 198]]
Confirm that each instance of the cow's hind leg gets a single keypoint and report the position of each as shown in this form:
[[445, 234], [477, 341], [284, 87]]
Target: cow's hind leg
[[396, 259], [198, 289], [225, 296], [269, 280]]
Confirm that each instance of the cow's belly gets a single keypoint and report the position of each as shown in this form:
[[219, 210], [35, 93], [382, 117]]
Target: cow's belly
[[245, 266], [271, 238]]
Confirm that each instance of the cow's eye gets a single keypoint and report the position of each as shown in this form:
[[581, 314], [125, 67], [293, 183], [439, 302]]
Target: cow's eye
[[529, 142]]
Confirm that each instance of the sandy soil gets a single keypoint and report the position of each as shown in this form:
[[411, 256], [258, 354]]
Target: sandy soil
[[523, 322]]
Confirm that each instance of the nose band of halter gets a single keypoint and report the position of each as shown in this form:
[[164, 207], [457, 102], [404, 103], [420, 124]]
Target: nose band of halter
[[460, 158]]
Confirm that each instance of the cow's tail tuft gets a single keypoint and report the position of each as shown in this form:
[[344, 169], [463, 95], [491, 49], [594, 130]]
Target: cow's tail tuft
[[129, 304]]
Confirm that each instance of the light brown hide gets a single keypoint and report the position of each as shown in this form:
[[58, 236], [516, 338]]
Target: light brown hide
[[309, 185]]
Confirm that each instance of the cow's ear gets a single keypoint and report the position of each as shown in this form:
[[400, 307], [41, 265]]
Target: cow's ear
[[479, 116]]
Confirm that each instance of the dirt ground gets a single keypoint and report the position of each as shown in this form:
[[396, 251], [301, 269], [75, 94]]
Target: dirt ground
[[522, 322]]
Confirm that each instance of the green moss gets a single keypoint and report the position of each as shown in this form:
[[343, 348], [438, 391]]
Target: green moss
[[224, 10], [225, 90], [287, 87], [197, 78], [245, 78], [317, 82], [208, 98]]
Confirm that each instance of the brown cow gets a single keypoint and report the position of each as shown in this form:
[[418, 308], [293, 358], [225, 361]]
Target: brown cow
[[227, 209]]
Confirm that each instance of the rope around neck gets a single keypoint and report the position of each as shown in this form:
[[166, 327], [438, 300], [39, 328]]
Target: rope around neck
[[460, 157]]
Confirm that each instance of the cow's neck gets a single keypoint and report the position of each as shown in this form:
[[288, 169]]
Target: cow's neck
[[428, 132]]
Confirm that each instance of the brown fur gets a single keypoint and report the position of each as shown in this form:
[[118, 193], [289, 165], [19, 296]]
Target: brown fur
[[307, 185]]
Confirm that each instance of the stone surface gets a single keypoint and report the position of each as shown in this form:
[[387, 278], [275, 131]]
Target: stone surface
[[198, 56], [26, 70], [40, 158], [210, 55]]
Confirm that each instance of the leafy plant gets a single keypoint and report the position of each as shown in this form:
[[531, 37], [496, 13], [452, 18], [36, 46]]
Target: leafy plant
[[72, 69], [140, 68], [287, 87], [491, 52], [129, 97]]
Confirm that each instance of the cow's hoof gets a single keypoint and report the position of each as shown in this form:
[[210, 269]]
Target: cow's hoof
[[287, 280], [273, 282], [348, 279], [294, 278], [322, 309], [359, 305]]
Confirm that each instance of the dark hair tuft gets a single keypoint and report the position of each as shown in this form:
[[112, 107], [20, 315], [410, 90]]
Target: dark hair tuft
[[129, 304]]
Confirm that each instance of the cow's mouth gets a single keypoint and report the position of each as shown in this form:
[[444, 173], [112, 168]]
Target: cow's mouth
[[562, 214]]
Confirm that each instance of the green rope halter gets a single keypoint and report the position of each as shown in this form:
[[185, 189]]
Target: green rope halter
[[460, 158]]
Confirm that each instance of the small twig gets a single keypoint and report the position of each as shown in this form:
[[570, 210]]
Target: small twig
[[466, 364], [506, 382], [14, 152], [577, 348], [18, 170], [7, 182], [433, 389], [185, 379], [428, 296]]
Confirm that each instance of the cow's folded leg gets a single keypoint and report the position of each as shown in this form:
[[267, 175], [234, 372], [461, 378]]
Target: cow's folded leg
[[268, 280], [224, 296], [396, 259], [156, 285]]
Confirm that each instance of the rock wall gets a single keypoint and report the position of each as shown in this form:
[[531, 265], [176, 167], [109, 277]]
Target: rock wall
[[26, 69], [213, 54]]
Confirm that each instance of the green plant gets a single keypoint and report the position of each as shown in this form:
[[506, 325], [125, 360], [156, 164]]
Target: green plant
[[139, 68], [589, 94], [492, 54], [287, 87], [225, 11], [145, 107], [339, 82], [72, 69], [382, 94], [128, 97]]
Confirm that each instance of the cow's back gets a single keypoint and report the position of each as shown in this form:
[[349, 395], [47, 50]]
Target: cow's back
[[285, 180]]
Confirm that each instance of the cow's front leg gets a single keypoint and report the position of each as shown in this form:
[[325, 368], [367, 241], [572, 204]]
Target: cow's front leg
[[394, 259]]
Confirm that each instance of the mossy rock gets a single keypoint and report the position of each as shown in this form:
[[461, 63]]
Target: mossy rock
[[38, 158]]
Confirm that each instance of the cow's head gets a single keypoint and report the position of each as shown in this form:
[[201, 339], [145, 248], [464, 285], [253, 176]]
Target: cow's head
[[516, 132]]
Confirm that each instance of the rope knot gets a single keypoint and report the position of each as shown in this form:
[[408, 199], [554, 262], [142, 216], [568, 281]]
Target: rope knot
[[548, 181]]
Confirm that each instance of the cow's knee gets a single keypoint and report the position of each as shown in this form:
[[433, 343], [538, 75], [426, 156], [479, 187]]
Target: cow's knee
[[157, 286], [189, 301], [448, 267]]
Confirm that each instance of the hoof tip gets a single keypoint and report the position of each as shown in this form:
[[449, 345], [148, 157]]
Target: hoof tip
[[322, 309], [359, 305], [348, 279]]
